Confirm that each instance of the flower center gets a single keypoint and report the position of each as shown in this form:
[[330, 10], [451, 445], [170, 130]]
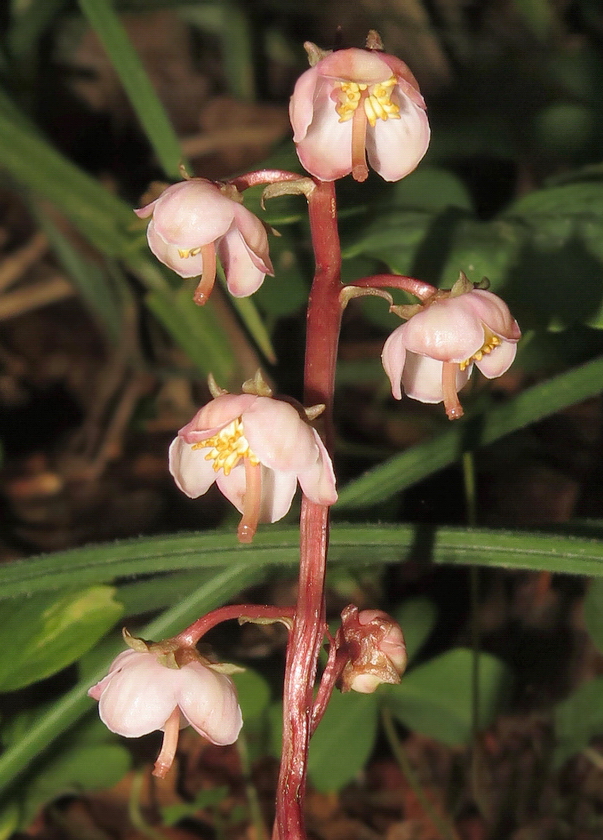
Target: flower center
[[488, 346], [191, 252], [376, 100], [228, 447]]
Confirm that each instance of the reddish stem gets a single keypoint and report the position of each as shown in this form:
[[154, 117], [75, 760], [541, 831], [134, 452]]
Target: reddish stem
[[322, 335], [415, 287], [192, 634]]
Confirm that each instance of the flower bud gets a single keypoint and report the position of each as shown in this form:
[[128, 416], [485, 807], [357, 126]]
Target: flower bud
[[376, 648]]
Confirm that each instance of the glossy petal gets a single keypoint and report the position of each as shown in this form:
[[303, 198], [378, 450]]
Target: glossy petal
[[355, 65], [301, 106], [394, 359], [193, 474], [218, 413], [326, 149], [498, 361], [447, 330], [493, 312], [278, 489], [278, 436], [208, 701], [422, 378], [169, 255], [139, 696], [396, 147], [192, 213], [244, 268], [319, 483]]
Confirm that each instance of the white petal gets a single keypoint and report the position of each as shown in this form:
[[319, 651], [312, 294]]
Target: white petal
[[395, 147], [422, 378], [498, 361], [208, 701], [193, 474], [139, 698], [278, 436], [319, 483]]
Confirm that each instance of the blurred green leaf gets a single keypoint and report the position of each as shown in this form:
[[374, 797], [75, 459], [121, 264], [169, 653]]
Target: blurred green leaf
[[578, 719], [71, 706], [470, 433], [253, 692], [422, 703], [343, 741], [128, 66], [417, 617], [171, 814], [593, 612], [76, 770], [429, 188], [198, 331], [51, 632]]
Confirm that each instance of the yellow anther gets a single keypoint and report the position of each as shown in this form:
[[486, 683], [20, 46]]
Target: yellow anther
[[228, 447], [377, 104], [490, 343], [191, 252]]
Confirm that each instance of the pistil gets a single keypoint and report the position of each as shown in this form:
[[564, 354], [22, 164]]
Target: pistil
[[165, 759], [454, 409], [208, 276], [252, 501]]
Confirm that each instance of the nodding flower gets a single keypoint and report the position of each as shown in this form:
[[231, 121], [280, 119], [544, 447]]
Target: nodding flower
[[353, 104], [432, 355], [193, 221], [149, 689], [256, 449]]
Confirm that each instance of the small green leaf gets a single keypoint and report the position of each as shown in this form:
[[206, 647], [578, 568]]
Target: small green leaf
[[435, 699], [578, 719], [429, 188], [417, 618], [47, 633], [253, 692], [343, 740], [77, 770]]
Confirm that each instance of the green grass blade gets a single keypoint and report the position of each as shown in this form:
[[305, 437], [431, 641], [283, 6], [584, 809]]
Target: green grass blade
[[351, 545], [128, 66], [66, 711], [469, 434]]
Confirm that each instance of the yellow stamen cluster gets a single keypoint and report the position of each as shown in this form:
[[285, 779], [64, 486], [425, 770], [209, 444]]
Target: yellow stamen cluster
[[228, 447], [490, 343], [376, 100], [192, 252]]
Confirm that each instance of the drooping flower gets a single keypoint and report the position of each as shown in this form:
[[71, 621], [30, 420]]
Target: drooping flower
[[193, 220], [376, 649], [146, 690], [353, 103], [256, 448], [432, 355]]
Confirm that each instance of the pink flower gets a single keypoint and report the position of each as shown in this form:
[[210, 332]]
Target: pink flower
[[376, 648], [140, 695], [355, 102], [193, 219], [256, 449], [432, 355]]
